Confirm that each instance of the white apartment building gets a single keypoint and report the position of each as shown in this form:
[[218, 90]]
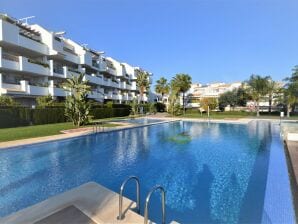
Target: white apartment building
[[214, 90], [36, 62]]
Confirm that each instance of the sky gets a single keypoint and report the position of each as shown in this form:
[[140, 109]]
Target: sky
[[211, 40]]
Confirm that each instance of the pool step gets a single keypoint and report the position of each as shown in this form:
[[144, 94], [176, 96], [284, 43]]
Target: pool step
[[90, 202]]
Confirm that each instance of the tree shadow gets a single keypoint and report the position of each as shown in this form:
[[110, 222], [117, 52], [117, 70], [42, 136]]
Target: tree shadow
[[205, 179]]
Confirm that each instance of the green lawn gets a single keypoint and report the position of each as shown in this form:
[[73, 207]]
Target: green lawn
[[9, 134]]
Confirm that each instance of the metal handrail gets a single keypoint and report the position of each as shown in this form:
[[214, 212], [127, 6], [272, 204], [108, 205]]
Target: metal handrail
[[96, 127], [121, 215], [163, 201]]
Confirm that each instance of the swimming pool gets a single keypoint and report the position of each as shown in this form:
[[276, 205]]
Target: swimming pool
[[215, 173]]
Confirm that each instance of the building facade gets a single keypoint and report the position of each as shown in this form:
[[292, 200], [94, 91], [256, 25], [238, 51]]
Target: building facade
[[36, 62], [214, 90]]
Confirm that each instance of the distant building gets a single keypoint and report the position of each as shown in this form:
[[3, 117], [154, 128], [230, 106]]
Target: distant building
[[214, 90]]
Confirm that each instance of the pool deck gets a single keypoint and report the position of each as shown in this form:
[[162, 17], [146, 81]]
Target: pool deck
[[88, 203], [292, 147], [292, 155]]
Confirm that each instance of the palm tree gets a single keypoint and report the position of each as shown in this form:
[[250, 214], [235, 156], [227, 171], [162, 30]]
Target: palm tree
[[258, 88], [162, 87], [182, 83], [173, 107], [290, 97], [291, 90], [272, 88], [77, 106], [77, 86], [142, 83]]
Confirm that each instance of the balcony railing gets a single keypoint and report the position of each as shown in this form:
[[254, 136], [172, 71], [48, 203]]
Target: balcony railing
[[10, 57], [70, 51], [29, 33], [95, 64], [46, 65], [58, 70], [74, 70]]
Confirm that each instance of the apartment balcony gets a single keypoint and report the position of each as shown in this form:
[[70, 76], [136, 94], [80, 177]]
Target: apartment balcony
[[111, 71], [86, 58], [114, 84], [25, 89], [102, 66], [93, 79], [70, 72], [32, 66], [125, 97], [89, 60], [71, 57], [37, 90], [106, 82], [12, 88], [54, 91], [57, 45], [128, 98], [96, 95], [10, 62], [122, 85], [58, 72], [33, 45], [129, 87], [12, 34], [113, 96], [95, 64]]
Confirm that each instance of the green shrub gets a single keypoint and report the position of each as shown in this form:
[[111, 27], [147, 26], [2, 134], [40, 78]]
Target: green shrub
[[160, 107], [109, 104], [152, 108], [175, 109], [7, 101], [44, 101]]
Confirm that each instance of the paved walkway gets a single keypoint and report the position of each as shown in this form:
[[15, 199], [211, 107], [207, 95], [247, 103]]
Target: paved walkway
[[293, 156]]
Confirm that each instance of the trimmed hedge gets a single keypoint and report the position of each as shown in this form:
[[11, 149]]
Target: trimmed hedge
[[13, 117], [20, 116], [99, 113], [48, 116]]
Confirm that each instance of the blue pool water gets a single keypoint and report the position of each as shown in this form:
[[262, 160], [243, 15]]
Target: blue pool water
[[212, 173], [141, 121]]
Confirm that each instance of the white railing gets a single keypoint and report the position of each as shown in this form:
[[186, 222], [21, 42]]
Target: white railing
[[93, 79], [9, 64], [33, 45], [27, 66], [16, 87]]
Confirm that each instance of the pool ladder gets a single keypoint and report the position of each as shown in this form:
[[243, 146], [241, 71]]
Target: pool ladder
[[146, 213], [96, 127]]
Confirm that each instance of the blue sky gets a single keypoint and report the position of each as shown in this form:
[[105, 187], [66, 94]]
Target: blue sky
[[212, 40]]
